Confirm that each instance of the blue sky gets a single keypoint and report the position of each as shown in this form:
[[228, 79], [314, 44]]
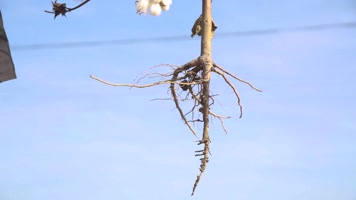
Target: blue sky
[[66, 136]]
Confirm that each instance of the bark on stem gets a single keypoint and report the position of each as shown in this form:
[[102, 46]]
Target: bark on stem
[[206, 61]]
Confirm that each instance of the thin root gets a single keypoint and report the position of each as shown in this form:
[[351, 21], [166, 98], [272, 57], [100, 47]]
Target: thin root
[[232, 87], [235, 77], [221, 120]]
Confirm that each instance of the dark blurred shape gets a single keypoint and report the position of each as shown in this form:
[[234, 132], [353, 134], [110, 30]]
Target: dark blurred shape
[[7, 68]]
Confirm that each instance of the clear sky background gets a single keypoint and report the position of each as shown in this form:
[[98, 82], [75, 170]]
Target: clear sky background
[[66, 136]]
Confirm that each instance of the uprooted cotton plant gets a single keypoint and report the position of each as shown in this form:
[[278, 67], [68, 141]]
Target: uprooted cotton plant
[[191, 82]]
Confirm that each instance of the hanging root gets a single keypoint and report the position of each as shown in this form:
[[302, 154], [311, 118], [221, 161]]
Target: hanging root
[[221, 119], [186, 84], [132, 85], [181, 76], [217, 69], [204, 153], [235, 77]]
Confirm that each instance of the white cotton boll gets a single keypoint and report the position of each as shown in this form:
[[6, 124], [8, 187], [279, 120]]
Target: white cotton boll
[[141, 6], [155, 9]]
